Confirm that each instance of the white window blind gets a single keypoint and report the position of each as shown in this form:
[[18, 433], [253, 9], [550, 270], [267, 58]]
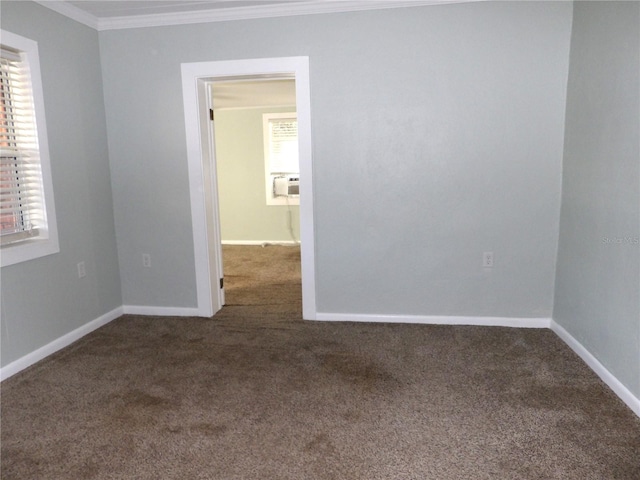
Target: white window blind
[[22, 212], [283, 145]]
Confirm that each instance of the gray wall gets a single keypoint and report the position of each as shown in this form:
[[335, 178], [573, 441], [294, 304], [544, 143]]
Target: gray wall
[[43, 299], [244, 213], [437, 133], [597, 295]]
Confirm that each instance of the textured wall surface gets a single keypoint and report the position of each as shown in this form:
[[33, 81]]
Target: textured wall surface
[[437, 135], [43, 299], [244, 213], [597, 295]]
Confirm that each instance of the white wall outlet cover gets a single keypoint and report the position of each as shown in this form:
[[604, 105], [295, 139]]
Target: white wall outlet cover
[[487, 259]]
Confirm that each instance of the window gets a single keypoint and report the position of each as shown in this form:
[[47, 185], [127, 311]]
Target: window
[[281, 158], [27, 215]]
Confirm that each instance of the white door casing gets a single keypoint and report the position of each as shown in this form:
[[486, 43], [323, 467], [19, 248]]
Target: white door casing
[[203, 177]]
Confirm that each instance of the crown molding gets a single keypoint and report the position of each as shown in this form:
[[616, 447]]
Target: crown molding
[[309, 7], [74, 13]]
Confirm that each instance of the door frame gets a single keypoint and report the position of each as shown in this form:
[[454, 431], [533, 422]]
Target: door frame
[[205, 218]]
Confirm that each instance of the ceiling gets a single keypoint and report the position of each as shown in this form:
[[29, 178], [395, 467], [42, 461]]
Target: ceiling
[[120, 14], [122, 8], [254, 93]]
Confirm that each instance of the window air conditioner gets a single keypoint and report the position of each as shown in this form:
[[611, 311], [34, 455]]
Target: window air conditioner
[[286, 186]]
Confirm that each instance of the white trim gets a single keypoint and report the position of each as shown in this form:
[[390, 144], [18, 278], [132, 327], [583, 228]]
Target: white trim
[[524, 322], [194, 75], [58, 344], [307, 232], [161, 311], [191, 93], [210, 169], [72, 12], [262, 243], [309, 7], [605, 375]]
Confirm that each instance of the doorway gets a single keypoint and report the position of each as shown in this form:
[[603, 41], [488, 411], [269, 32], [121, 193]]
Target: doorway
[[256, 150], [203, 176]]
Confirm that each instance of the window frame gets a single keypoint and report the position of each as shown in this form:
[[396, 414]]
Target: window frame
[[46, 240], [269, 176]]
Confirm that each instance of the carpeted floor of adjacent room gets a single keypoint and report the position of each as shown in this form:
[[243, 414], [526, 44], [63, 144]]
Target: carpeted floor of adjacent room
[[257, 393]]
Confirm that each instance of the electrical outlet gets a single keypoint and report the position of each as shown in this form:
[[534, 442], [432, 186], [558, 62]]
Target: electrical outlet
[[146, 260], [82, 271], [487, 259]]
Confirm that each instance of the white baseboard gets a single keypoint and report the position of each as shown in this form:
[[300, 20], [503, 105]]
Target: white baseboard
[[438, 320], [605, 375], [259, 242], [161, 311], [58, 344]]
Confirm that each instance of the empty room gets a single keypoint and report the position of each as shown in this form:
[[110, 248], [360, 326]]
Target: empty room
[[320, 239]]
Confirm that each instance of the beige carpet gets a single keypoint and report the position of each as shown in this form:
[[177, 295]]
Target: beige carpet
[[257, 393]]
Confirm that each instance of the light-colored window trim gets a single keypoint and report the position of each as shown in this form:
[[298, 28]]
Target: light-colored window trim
[[269, 175], [45, 241]]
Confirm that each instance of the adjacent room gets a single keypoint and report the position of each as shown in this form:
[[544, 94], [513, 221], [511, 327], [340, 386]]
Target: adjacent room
[[256, 157], [445, 285]]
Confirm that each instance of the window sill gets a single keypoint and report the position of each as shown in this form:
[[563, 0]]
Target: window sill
[[26, 250]]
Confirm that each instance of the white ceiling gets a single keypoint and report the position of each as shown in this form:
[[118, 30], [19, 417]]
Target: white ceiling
[[254, 93], [120, 14]]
